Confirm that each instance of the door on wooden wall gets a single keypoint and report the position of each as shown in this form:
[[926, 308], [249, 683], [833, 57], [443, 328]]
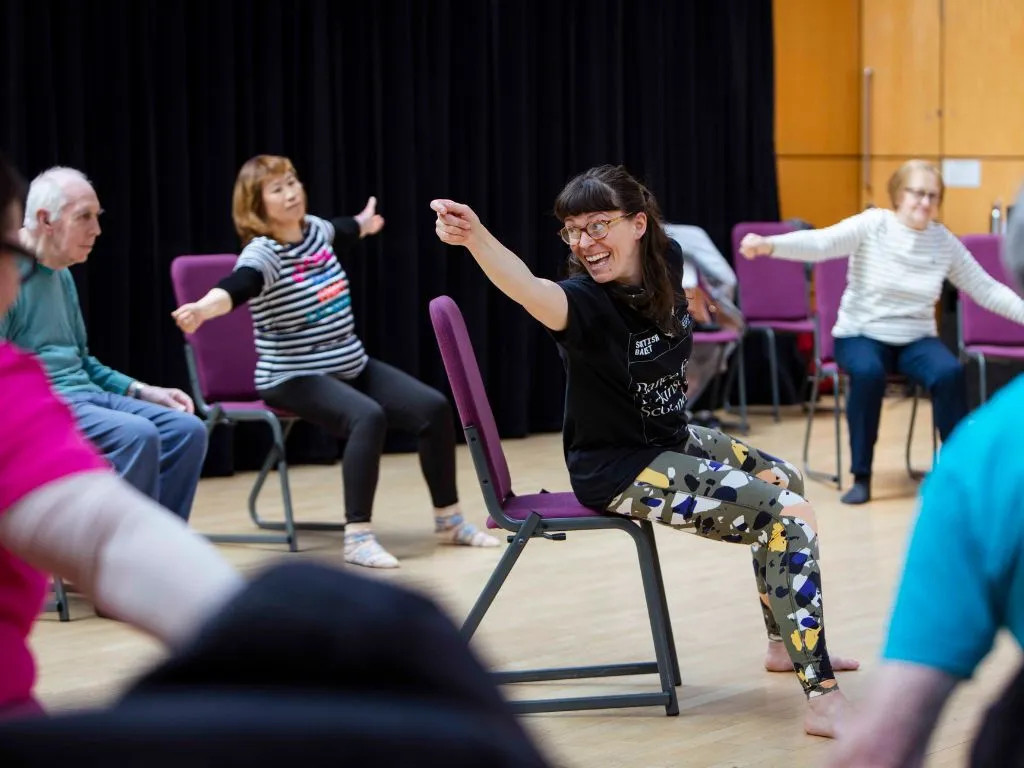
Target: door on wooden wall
[[901, 112], [983, 104]]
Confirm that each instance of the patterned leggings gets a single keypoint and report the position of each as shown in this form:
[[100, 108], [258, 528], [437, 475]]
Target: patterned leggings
[[722, 489]]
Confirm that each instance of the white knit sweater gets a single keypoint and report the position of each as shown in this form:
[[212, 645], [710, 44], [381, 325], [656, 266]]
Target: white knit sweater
[[895, 274]]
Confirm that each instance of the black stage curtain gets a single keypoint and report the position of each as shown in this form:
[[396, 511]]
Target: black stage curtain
[[496, 104]]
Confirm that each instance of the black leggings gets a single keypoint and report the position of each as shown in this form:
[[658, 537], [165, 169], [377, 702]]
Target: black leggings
[[360, 411]]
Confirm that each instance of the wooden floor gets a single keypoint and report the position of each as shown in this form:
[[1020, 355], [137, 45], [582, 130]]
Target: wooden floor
[[732, 712]]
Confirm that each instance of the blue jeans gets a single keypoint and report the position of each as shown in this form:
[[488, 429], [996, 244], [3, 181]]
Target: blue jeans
[[867, 362], [158, 450]]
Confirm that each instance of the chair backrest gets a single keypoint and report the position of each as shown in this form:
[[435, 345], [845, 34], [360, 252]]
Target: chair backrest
[[829, 284], [977, 324], [468, 388], [223, 349], [769, 289]]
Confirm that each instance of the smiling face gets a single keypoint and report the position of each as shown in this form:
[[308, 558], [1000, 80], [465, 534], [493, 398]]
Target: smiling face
[[919, 199], [615, 256], [284, 202]]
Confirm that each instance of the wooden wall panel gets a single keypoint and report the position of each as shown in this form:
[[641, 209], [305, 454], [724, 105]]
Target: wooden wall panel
[[983, 72], [901, 44], [817, 85], [821, 190], [966, 211], [947, 82]]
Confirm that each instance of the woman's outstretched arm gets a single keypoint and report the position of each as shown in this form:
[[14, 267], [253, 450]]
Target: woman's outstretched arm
[[545, 300]]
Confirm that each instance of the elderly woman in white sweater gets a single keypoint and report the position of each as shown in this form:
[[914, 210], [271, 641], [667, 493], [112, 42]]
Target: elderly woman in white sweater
[[886, 323]]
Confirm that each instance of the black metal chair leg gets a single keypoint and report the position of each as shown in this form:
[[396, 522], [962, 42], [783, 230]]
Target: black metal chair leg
[[499, 575]]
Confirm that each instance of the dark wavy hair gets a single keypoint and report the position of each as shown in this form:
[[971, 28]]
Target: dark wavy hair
[[12, 186], [611, 188]]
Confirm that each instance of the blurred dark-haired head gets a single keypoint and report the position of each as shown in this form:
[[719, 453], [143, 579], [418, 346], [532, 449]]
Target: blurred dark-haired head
[[12, 255], [12, 186]]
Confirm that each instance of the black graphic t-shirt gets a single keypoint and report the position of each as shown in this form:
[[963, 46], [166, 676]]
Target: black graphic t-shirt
[[625, 391]]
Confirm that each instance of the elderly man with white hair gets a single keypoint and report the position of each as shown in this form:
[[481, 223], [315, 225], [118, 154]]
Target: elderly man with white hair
[[148, 433], [962, 582]]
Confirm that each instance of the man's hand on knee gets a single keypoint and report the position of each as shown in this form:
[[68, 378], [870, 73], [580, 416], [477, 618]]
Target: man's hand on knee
[[169, 398]]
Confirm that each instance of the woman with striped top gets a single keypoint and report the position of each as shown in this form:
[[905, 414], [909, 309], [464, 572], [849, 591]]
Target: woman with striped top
[[886, 323], [310, 360]]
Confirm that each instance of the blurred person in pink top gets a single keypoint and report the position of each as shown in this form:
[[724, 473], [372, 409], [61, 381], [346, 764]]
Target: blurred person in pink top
[[63, 510]]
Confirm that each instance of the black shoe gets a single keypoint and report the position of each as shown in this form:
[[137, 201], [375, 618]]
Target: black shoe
[[860, 493]]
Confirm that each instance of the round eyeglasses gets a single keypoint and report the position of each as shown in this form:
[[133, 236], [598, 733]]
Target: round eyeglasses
[[921, 194], [24, 259], [597, 229]]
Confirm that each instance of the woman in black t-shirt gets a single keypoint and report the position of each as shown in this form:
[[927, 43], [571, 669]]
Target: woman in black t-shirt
[[625, 333]]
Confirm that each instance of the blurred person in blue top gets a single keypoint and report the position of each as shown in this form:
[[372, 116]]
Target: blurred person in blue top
[[963, 579]]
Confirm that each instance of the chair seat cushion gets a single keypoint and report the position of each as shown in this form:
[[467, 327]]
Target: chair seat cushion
[[715, 337], [996, 350], [831, 366], [253, 405], [546, 505], [788, 326]]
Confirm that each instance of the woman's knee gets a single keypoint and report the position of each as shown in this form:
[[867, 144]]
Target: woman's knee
[[868, 374], [798, 515], [950, 375], [370, 421], [784, 475], [437, 410], [141, 437], [190, 430], [796, 479]]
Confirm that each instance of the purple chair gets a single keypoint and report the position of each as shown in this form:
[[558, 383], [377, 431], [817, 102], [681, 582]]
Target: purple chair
[[722, 337], [829, 285], [773, 294], [982, 334], [549, 516], [221, 359]]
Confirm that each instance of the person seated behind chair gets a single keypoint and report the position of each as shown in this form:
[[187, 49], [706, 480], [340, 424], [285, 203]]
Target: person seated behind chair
[[148, 433], [63, 511], [312, 363], [625, 335], [886, 323], [705, 265], [962, 581]]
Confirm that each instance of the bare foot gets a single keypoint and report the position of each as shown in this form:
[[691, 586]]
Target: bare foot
[[826, 714], [776, 659]]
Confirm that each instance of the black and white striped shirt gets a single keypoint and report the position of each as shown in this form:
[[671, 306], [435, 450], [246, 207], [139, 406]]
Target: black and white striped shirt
[[302, 319], [895, 274]]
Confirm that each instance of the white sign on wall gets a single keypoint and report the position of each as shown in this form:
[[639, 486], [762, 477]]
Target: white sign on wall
[[958, 172]]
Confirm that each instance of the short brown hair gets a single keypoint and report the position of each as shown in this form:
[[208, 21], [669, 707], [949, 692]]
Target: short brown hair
[[247, 200], [898, 180]]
